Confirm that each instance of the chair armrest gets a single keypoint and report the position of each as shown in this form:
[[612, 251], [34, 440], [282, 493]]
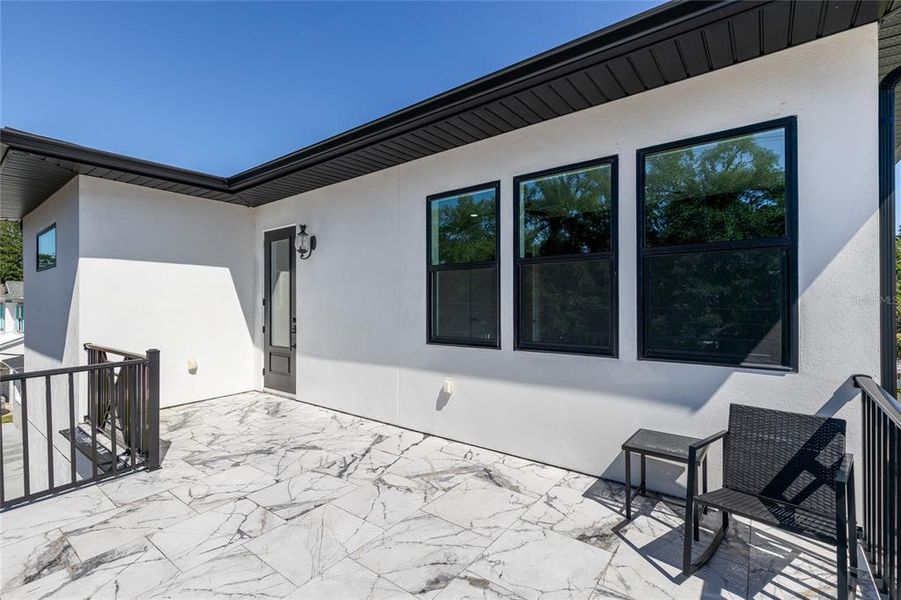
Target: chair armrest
[[844, 470], [700, 447]]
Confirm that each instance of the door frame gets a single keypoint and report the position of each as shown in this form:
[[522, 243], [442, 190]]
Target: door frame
[[264, 347]]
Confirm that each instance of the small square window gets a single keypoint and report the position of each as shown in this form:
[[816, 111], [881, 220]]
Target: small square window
[[46, 248]]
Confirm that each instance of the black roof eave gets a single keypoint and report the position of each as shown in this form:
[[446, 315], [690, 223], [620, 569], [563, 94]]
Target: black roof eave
[[33, 165]]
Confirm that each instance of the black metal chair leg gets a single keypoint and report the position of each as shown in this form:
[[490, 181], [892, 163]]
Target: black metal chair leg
[[689, 566], [696, 524], [841, 557], [841, 546], [704, 478], [628, 485]]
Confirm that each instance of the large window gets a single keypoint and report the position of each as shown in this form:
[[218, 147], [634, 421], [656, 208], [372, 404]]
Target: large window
[[717, 248], [46, 248], [565, 252], [20, 318], [463, 266]]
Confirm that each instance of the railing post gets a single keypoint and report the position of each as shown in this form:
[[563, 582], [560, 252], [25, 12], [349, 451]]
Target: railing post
[[153, 409]]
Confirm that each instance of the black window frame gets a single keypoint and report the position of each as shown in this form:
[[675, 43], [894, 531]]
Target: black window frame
[[431, 337], [37, 248], [790, 336], [612, 255]]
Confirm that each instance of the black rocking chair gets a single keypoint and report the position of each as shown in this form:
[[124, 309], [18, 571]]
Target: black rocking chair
[[786, 470]]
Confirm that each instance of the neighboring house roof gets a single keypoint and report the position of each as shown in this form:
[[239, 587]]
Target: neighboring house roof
[[672, 42], [16, 364], [12, 291]]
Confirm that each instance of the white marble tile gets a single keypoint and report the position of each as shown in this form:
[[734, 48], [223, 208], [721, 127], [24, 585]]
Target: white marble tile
[[123, 573], [567, 511], [411, 444], [467, 586], [52, 513], [537, 563], [213, 533], [522, 476], [234, 576], [141, 484], [220, 488], [298, 495], [390, 478], [784, 566], [387, 500], [439, 470], [481, 456], [291, 458], [480, 506], [35, 557], [422, 553], [648, 561], [107, 530], [308, 545], [363, 466], [349, 580]]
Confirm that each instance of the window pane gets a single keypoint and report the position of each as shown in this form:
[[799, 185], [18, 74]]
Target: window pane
[[725, 306], [47, 248], [727, 190], [566, 303], [464, 228], [280, 293], [566, 213], [464, 304]]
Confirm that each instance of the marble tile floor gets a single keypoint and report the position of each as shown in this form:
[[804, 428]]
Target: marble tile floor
[[263, 497]]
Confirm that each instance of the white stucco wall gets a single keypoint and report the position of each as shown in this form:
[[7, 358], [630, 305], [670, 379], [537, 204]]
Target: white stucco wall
[[172, 272], [52, 335], [362, 297]]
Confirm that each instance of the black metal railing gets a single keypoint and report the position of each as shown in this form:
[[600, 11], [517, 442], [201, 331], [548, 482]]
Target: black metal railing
[[880, 458], [119, 433]]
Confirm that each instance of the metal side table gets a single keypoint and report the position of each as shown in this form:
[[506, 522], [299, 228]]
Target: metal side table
[[659, 444]]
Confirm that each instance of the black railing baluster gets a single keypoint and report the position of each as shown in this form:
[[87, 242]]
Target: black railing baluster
[[865, 474], [113, 402], [26, 464], [48, 400], [94, 415], [890, 549], [72, 460], [133, 414], [2, 473], [153, 409], [879, 456]]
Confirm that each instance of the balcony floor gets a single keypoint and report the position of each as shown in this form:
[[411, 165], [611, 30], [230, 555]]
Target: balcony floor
[[261, 497]]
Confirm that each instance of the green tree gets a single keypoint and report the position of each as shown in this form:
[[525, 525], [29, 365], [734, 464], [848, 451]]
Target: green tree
[[10, 251]]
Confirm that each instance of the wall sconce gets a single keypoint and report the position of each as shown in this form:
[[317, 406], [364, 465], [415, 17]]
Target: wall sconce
[[304, 243]]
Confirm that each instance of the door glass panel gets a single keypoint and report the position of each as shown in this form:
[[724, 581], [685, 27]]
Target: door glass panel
[[280, 293]]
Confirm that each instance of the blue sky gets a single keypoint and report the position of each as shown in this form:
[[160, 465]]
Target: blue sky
[[223, 86]]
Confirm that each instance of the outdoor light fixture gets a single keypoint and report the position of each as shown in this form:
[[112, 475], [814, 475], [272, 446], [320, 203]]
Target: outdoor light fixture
[[304, 243]]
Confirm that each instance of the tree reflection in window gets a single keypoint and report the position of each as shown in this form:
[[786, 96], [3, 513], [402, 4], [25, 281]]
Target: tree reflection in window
[[717, 251], [565, 259], [727, 190], [462, 250]]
